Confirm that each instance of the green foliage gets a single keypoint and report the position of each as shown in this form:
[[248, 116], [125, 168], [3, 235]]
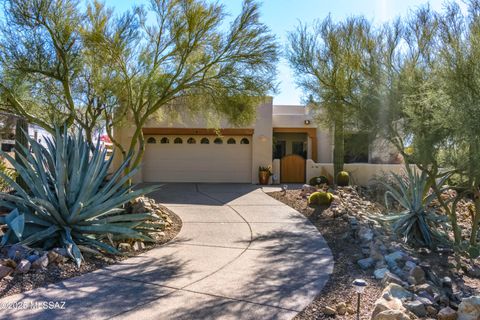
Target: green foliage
[[70, 201], [87, 64], [318, 180], [320, 198], [337, 66], [417, 224], [343, 178], [4, 186]]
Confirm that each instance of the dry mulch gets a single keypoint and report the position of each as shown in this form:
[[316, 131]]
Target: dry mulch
[[345, 252], [57, 272]]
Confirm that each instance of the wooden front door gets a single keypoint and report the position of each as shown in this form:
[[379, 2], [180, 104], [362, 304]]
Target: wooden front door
[[292, 169]]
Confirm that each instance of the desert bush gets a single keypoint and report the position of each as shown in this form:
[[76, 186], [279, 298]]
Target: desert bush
[[70, 203], [318, 180]]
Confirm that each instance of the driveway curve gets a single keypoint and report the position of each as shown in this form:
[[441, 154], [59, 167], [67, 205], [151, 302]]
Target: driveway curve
[[240, 255]]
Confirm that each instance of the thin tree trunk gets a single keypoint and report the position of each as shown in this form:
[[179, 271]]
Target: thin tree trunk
[[475, 218], [21, 132], [339, 143]]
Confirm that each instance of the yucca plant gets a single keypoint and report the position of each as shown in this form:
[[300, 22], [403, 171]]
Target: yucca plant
[[417, 224], [69, 201]]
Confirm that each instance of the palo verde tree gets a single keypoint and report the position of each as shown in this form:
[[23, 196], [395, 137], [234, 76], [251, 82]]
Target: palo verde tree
[[185, 59], [48, 75], [336, 65]]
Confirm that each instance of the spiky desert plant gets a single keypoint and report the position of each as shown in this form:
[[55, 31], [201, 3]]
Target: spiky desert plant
[[417, 224], [69, 201]]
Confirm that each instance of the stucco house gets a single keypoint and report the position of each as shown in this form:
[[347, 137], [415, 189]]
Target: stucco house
[[283, 136]]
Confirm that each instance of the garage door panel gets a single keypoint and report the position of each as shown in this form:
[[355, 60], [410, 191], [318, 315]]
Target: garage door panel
[[197, 162]]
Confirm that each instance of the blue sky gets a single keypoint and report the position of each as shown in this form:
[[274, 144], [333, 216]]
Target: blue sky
[[283, 16]]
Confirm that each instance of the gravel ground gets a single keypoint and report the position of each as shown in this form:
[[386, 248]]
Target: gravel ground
[[345, 252], [55, 273]]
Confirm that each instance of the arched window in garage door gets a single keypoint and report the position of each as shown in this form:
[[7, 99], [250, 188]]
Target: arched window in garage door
[[151, 140]]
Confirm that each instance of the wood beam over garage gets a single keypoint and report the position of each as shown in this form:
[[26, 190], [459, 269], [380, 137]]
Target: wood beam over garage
[[198, 131]]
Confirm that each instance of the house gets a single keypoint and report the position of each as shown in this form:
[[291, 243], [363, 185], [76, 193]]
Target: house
[[7, 138], [190, 150]]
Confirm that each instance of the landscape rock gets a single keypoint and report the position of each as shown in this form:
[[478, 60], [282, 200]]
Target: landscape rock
[[341, 308], [17, 252], [396, 291], [329, 311], [393, 257], [138, 245], [409, 265], [418, 274], [391, 315], [40, 263], [365, 234], [33, 257], [123, 246], [8, 263], [392, 278], [5, 271], [23, 266], [366, 263], [380, 273], [431, 311], [469, 308], [447, 313], [416, 307], [307, 190]]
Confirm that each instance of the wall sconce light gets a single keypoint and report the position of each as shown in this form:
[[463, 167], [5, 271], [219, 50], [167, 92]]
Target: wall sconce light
[[307, 122]]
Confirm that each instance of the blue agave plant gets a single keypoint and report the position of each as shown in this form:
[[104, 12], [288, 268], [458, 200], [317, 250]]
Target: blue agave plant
[[417, 223], [69, 201]]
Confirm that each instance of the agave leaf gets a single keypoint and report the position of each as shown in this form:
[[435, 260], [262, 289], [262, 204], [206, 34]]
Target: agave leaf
[[38, 236], [16, 222]]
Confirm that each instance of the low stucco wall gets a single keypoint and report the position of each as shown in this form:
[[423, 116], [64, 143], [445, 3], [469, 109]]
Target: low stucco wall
[[360, 173]]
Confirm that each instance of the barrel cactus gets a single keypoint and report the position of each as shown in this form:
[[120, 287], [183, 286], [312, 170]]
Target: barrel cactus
[[315, 181], [320, 198], [343, 178], [69, 201]]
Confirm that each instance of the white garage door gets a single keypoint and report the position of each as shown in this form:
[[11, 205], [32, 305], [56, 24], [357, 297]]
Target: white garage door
[[198, 159]]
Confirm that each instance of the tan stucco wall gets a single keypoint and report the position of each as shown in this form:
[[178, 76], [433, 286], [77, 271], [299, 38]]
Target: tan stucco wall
[[360, 173], [261, 140]]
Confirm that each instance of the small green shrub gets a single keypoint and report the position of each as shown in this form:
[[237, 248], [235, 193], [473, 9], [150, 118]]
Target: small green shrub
[[318, 180], [320, 198], [343, 179]]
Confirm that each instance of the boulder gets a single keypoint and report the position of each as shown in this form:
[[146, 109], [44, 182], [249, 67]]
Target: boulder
[[393, 257], [307, 190], [40, 263], [380, 273], [138, 245], [8, 263], [431, 311], [396, 291], [392, 278], [469, 308], [365, 234], [23, 266], [447, 313], [341, 308], [17, 252], [391, 315], [366, 263], [123, 246], [329, 311], [416, 307], [409, 265], [418, 274], [5, 271]]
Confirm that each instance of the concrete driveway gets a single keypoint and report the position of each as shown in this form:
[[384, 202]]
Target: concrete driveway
[[240, 255]]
